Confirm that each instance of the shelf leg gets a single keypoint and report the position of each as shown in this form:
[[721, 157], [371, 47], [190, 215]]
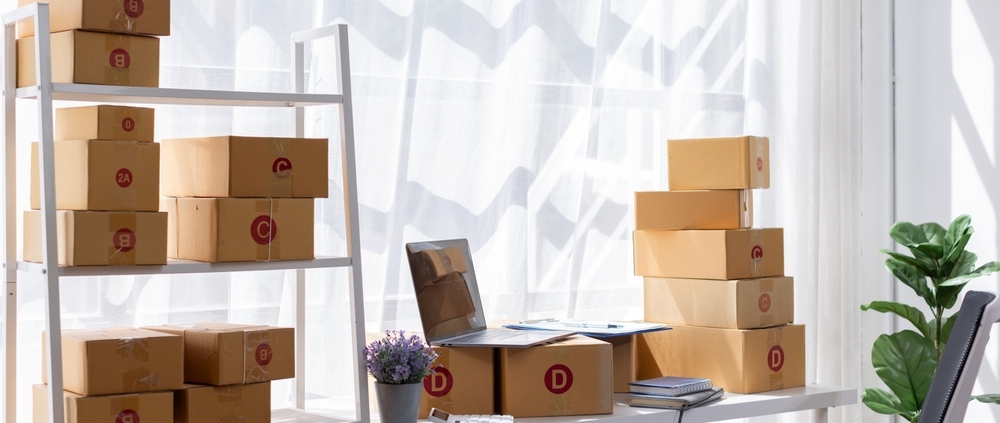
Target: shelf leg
[[820, 415], [300, 339], [10, 349], [10, 226]]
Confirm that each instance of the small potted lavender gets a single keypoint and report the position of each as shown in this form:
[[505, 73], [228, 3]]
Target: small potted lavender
[[399, 364]]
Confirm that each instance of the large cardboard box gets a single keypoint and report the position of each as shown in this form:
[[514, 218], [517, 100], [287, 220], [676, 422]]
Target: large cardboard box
[[118, 123], [119, 361], [740, 361], [83, 57], [625, 361], [567, 378], [674, 210], [149, 17], [239, 229], [719, 163], [736, 304], [245, 167], [234, 354], [235, 403], [462, 382], [96, 238], [149, 407], [102, 175], [710, 254]]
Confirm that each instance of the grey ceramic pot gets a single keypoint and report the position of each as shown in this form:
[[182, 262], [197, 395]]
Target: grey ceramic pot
[[398, 403]]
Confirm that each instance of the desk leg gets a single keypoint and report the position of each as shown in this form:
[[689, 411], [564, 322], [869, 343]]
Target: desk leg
[[819, 415]]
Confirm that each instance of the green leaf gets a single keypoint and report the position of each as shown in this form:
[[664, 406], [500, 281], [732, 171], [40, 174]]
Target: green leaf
[[962, 265], [912, 277], [986, 269], [957, 236], [905, 361], [909, 260], [946, 327], [882, 402], [934, 232], [987, 398], [928, 249], [912, 314], [907, 233]]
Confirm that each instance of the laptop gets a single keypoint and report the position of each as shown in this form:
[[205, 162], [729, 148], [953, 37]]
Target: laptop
[[451, 310]]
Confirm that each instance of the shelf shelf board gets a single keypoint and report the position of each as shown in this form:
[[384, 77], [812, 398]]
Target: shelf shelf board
[[293, 415], [186, 266], [179, 96]]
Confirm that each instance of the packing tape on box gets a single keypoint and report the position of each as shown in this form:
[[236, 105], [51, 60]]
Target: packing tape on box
[[270, 250], [139, 380], [559, 404], [746, 205], [279, 181], [117, 75], [758, 162], [120, 407], [126, 158], [136, 348], [227, 394], [256, 355], [775, 358], [122, 22], [123, 237], [756, 244], [765, 287]]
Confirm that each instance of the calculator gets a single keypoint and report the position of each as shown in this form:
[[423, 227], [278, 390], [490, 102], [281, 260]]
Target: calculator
[[441, 416]]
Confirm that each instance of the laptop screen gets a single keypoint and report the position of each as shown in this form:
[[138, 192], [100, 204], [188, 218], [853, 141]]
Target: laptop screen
[[445, 284]]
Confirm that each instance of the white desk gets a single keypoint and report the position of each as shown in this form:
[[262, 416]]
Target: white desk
[[732, 406]]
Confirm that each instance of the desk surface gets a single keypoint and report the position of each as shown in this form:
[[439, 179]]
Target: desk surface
[[731, 406]]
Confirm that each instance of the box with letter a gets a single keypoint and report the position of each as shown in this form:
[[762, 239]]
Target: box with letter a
[[566, 378], [462, 382]]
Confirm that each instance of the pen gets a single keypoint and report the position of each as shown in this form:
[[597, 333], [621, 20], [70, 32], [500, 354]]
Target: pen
[[536, 321], [592, 325]]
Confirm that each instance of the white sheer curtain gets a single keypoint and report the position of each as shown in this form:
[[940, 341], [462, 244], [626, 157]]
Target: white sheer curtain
[[524, 126]]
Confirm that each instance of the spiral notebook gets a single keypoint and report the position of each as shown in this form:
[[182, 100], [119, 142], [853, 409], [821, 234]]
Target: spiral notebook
[[670, 386]]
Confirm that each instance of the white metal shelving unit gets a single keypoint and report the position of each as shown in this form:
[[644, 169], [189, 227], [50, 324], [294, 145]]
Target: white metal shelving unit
[[45, 92]]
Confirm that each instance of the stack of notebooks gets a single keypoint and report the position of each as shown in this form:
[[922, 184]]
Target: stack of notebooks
[[676, 393]]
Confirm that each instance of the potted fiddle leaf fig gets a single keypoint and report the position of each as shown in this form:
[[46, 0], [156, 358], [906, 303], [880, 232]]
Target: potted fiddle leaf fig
[[938, 270]]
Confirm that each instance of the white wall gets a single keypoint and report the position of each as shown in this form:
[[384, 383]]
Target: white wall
[[946, 142]]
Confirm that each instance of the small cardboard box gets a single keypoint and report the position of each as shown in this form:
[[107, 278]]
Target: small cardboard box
[[567, 378], [102, 175], [119, 361], [740, 361], [625, 361], [736, 304], [675, 210], [149, 407], [239, 229], [93, 238], [710, 254], [233, 354], [149, 17], [116, 123], [462, 382], [719, 163], [249, 403], [82, 57], [245, 167]]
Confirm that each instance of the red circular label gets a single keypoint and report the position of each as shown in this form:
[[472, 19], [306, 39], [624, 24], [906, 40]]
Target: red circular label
[[439, 383], [558, 379], [133, 8], [263, 354], [764, 302], [282, 168], [263, 229], [128, 124], [775, 358], [124, 240], [756, 252], [127, 416], [119, 59], [760, 164], [123, 177]]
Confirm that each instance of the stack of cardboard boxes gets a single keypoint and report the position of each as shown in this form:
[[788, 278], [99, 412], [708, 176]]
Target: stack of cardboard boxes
[[150, 374], [714, 278]]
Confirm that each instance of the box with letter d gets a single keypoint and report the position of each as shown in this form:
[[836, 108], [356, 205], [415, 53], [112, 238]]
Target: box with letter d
[[462, 382]]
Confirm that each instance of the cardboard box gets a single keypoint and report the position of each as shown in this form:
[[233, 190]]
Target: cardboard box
[[239, 229], [625, 361], [675, 210], [462, 382], [102, 175], [234, 354], [710, 254], [736, 304], [117, 123], [82, 57], [428, 266], [740, 361], [150, 407], [93, 238], [567, 378], [119, 361], [235, 403], [245, 167], [149, 17], [719, 163]]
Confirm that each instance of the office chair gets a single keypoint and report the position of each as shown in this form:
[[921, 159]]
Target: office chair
[[951, 386]]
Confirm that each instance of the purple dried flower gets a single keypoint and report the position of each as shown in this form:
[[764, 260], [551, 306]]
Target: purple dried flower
[[398, 359]]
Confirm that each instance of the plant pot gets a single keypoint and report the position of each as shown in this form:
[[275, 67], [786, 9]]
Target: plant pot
[[398, 403]]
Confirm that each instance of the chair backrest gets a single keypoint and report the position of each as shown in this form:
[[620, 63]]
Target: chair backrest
[[951, 387]]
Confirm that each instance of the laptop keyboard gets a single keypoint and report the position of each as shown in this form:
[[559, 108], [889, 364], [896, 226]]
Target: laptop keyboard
[[486, 336]]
